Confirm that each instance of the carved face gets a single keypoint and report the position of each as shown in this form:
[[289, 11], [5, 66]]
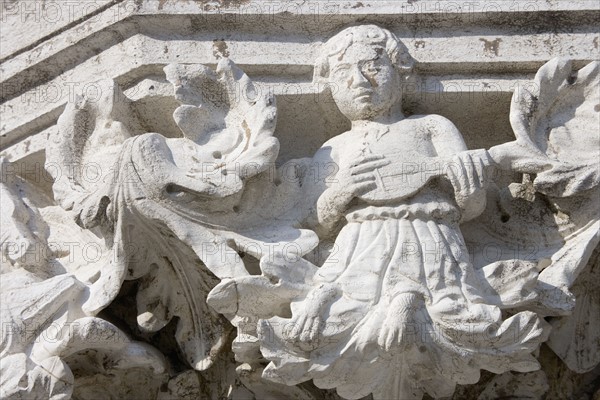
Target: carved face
[[364, 82]]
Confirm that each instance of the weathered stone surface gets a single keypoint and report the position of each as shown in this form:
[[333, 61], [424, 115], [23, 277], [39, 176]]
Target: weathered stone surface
[[322, 200]]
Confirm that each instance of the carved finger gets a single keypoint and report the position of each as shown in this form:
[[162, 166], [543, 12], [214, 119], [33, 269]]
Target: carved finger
[[315, 329], [366, 177], [476, 169], [486, 158], [367, 158], [452, 176], [386, 337], [365, 337], [482, 171], [392, 338], [306, 334], [471, 177], [382, 339], [298, 327], [401, 337], [463, 177], [368, 166], [363, 187]]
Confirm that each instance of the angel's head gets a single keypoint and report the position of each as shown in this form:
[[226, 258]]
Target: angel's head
[[364, 66]]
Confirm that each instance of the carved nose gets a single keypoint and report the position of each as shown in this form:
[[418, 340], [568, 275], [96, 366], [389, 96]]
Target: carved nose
[[358, 79]]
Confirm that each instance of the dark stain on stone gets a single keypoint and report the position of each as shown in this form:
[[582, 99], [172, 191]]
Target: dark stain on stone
[[548, 42], [342, 54], [248, 133], [225, 3], [220, 49], [234, 3], [420, 44], [595, 42], [597, 108], [358, 5], [372, 81], [491, 46], [205, 3], [411, 1]]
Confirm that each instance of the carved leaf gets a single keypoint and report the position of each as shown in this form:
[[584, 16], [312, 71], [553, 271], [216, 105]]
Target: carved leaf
[[43, 324], [575, 338], [231, 122], [22, 227], [559, 115], [83, 153], [175, 287], [140, 204], [551, 218]]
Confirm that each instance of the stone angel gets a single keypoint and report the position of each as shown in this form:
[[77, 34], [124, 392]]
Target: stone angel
[[397, 309]]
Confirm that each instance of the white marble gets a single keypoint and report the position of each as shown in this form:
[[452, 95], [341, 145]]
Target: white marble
[[195, 231]]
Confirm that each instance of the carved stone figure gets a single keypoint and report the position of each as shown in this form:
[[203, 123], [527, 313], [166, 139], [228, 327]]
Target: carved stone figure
[[399, 292]]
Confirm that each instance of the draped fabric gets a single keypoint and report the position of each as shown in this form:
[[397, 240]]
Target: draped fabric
[[421, 266]]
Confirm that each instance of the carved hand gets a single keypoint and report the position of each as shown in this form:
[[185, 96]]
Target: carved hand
[[349, 183], [469, 176]]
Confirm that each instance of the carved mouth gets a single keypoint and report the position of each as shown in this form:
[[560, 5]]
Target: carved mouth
[[363, 95]]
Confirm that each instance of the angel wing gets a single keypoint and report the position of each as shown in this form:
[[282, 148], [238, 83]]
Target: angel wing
[[550, 221]]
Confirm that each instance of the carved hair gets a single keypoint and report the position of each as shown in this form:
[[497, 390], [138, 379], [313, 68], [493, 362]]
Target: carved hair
[[366, 34]]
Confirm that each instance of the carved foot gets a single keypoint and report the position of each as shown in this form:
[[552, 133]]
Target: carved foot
[[394, 334], [310, 324]]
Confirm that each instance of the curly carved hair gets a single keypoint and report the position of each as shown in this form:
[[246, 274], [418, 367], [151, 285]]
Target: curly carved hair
[[365, 34]]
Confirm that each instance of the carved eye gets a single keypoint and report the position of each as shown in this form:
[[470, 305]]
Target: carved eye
[[340, 71], [371, 68]]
